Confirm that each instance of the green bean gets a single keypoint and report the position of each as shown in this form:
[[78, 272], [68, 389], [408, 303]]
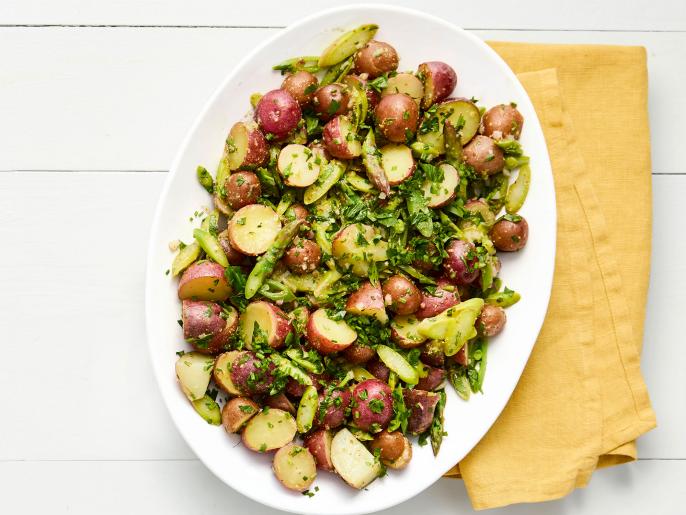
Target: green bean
[[518, 191], [185, 258], [504, 299], [266, 263], [205, 179], [307, 409], [436, 430], [208, 409], [372, 163], [306, 63], [211, 247], [347, 44]]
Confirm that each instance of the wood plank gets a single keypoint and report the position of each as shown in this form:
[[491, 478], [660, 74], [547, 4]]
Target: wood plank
[[73, 296], [182, 487], [123, 98], [528, 14]]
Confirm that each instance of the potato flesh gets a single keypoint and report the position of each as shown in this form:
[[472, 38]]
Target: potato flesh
[[256, 313], [452, 110], [294, 467], [349, 253], [336, 331], [268, 430], [194, 371], [405, 83], [397, 162], [353, 462], [438, 194], [254, 228], [298, 165], [406, 327], [222, 372], [239, 138]]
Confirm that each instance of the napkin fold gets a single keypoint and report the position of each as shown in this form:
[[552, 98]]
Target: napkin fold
[[581, 401]]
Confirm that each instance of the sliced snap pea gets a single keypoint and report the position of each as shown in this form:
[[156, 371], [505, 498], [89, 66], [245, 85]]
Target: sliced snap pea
[[458, 378], [512, 162], [208, 409], [453, 145], [398, 364], [372, 163], [362, 436], [306, 63], [307, 409], [361, 374], [358, 183], [300, 359], [325, 282], [518, 191], [211, 247], [336, 72], [205, 179], [288, 368], [347, 44], [358, 103], [504, 299], [328, 177], [211, 223], [185, 258]]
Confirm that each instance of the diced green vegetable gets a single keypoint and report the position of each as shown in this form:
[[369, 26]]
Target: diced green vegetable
[[211, 247], [518, 191], [185, 258], [504, 299], [208, 409], [347, 44], [307, 409], [255, 99], [398, 364]]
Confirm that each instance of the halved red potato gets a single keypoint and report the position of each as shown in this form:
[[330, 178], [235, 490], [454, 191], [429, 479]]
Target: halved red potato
[[421, 405], [340, 139], [268, 430], [445, 296], [433, 379], [194, 371], [222, 371], [204, 280], [327, 335], [372, 405], [432, 353], [460, 265], [396, 117], [404, 459], [440, 194], [397, 162], [358, 354], [280, 401], [236, 413], [404, 332], [450, 110], [253, 229], [405, 83], [395, 449], [278, 113], [298, 166], [367, 301], [319, 445], [246, 147], [439, 81], [270, 319], [353, 462], [355, 246], [206, 326], [294, 467]]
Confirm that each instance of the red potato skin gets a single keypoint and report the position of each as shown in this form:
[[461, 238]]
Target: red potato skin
[[278, 113], [363, 414], [510, 236], [442, 78], [248, 364], [358, 354], [301, 86], [401, 295], [422, 405], [491, 321], [462, 356], [334, 416], [303, 256], [376, 58], [373, 96], [319, 342], [203, 318], [334, 141], [368, 297], [441, 300], [319, 445], [281, 329], [396, 116], [432, 354], [433, 380], [404, 343], [204, 269], [324, 98], [484, 155], [280, 401], [295, 390], [258, 150], [502, 121], [460, 265], [242, 189], [234, 257], [378, 369]]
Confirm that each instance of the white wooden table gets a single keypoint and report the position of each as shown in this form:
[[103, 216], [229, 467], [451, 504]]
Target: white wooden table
[[95, 98]]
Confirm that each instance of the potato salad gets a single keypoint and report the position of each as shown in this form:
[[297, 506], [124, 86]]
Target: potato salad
[[348, 272]]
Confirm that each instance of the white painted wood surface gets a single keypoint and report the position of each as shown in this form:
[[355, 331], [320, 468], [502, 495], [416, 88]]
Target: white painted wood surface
[[91, 118]]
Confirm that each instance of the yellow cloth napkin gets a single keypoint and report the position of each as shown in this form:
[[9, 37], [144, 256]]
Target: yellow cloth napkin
[[581, 401]]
